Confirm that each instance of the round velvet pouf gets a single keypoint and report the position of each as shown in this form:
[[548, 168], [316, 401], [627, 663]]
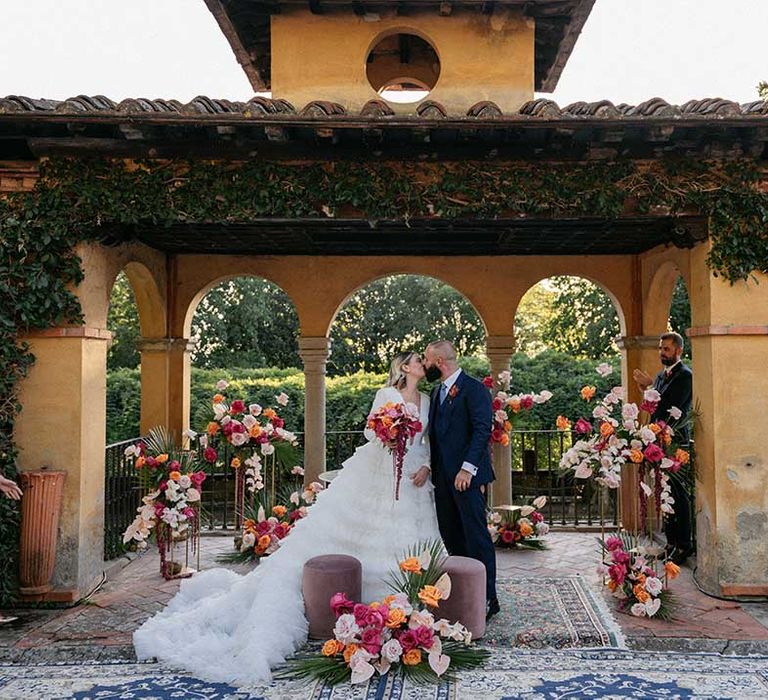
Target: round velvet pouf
[[323, 577], [466, 604]]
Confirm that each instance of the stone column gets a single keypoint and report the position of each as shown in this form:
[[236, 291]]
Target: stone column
[[729, 339], [637, 352], [500, 349], [179, 383], [155, 382], [314, 352], [63, 426]]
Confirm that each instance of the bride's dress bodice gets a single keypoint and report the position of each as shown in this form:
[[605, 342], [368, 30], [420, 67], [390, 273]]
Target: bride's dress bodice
[[230, 628]]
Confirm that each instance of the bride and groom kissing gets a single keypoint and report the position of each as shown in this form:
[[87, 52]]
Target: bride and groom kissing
[[231, 628]]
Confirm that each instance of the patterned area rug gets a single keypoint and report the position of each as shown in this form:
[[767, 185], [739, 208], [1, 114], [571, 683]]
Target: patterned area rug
[[512, 674], [557, 612]]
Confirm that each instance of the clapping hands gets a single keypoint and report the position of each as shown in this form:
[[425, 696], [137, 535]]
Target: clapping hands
[[10, 489]]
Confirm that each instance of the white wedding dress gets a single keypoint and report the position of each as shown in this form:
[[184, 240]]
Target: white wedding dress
[[230, 628]]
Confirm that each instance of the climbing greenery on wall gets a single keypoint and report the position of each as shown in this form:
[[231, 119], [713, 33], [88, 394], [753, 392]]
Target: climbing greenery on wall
[[90, 199]]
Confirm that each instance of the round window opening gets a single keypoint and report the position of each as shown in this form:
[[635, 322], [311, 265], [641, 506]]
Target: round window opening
[[402, 68]]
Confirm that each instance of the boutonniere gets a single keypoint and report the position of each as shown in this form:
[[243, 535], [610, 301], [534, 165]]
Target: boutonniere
[[453, 392]]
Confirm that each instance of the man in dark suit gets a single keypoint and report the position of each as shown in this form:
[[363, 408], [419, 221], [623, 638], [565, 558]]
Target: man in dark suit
[[675, 384], [460, 418]]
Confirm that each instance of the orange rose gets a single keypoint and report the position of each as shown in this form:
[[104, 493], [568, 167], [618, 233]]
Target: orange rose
[[514, 404], [655, 427], [526, 530], [640, 593], [249, 525], [349, 651], [174, 476], [218, 398], [671, 569], [163, 458], [606, 429], [264, 541], [279, 511], [213, 428], [388, 599], [682, 456], [332, 647], [507, 426], [667, 438], [140, 461], [587, 392], [395, 618], [270, 413], [411, 565], [563, 423], [430, 595], [504, 440], [612, 585], [412, 657], [255, 431], [235, 463], [636, 456]]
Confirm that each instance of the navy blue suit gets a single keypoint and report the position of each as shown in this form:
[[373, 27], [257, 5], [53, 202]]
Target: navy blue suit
[[460, 431]]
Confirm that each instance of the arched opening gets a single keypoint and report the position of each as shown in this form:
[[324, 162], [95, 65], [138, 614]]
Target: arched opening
[[565, 326], [680, 314], [402, 67]]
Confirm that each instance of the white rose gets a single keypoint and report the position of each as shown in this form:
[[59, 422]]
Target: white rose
[[193, 495], [190, 434], [249, 421], [298, 470], [500, 416], [604, 369], [675, 413], [267, 448], [219, 411], [282, 398], [203, 441], [346, 629], [222, 384], [629, 410], [249, 539], [239, 439], [651, 395], [653, 585], [542, 529], [647, 435], [184, 481], [638, 610], [391, 650], [254, 409], [543, 396]]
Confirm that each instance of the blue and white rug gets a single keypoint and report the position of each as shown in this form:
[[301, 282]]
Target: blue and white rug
[[510, 675]]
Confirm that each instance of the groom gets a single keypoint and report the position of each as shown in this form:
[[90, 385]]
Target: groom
[[460, 420]]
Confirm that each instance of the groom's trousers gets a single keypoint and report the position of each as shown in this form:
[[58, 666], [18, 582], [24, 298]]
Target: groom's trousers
[[464, 527]]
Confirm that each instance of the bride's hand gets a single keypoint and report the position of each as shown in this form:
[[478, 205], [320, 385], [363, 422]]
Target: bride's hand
[[420, 477]]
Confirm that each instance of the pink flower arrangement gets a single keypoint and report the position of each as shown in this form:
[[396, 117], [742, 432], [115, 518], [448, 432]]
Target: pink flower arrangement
[[506, 406], [520, 528], [395, 425]]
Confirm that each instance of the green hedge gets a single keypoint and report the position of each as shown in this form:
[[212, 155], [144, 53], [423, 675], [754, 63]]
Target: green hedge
[[349, 397]]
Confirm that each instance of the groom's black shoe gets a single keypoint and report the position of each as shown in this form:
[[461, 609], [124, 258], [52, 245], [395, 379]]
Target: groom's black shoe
[[492, 609]]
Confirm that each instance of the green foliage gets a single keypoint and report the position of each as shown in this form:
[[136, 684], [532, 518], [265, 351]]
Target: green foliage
[[123, 322], [762, 89], [397, 313]]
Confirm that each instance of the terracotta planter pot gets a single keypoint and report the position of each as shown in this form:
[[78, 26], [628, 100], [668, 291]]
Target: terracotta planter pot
[[40, 509]]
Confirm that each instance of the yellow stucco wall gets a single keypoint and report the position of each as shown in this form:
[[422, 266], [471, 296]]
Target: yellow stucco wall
[[482, 57]]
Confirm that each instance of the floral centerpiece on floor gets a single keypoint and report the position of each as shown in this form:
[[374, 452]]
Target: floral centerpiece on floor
[[517, 528], [506, 406], [399, 633], [170, 510], [638, 577], [395, 425], [267, 524]]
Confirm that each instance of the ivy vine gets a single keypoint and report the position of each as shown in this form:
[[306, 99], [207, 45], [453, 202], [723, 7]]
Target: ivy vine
[[83, 199]]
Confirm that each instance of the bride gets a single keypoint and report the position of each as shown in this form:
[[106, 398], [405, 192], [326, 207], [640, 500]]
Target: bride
[[230, 628]]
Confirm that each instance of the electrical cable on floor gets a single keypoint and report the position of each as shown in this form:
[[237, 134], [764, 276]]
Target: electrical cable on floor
[[733, 599]]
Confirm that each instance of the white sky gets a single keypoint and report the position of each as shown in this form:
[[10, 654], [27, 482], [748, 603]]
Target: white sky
[[630, 50]]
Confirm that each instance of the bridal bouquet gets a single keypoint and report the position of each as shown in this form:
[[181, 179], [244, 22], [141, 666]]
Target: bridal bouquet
[[170, 509], [616, 436], [399, 633], [395, 425], [506, 406], [519, 528], [632, 575]]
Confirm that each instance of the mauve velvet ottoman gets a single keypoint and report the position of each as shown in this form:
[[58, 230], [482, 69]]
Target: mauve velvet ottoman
[[323, 577], [466, 604]]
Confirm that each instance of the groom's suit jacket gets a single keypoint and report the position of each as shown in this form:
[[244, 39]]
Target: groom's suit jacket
[[676, 390], [460, 430]]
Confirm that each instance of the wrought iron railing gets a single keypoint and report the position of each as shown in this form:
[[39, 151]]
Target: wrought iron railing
[[122, 496]]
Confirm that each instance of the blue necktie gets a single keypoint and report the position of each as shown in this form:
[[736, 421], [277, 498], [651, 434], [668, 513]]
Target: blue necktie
[[443, 393]]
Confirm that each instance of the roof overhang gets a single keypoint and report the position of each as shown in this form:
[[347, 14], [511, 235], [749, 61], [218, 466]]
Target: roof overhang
[[246, 25]]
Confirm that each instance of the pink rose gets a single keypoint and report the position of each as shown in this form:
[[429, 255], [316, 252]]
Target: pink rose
[[159, 508], [617, 573], [278, 422], [341, 605], [613, 543], [582, 427], [648, 406], [371, 640], [237, 406], [620, 556], [174, 466], [537, 517], [507, 536], [197, 479], [408, 640], [497, 404], [190, 512], [210, 455], [424, 636], [526, 402], [653, 453], [264, 527], [360, 612], [488, 381]]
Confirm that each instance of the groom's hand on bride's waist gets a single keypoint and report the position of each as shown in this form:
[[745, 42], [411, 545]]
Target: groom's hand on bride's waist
[[463, 480]]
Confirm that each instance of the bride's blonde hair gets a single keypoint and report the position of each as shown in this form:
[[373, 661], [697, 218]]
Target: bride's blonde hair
[[396, 374]]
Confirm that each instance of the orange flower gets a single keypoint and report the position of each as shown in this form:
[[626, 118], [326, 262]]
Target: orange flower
[[682, 456], [526, 530], [349, 651], [249, 525], [655, 427], [140, 461], [255, 431], [640, 593], [504, 440], [388, 599], [667, 438], [612, 585], [218, 398], [606, 429], [212, 428], [395, 618], [411, 565], [174, 476], [671, 569], [332, 647], [279, 511], [270, 413], [163, 458], [641, 578], [412, 657], [563, 423], [430, 595], [587, 392], [264, 541], [235, 463], [514, 404], [636, 456], [507, 426]]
